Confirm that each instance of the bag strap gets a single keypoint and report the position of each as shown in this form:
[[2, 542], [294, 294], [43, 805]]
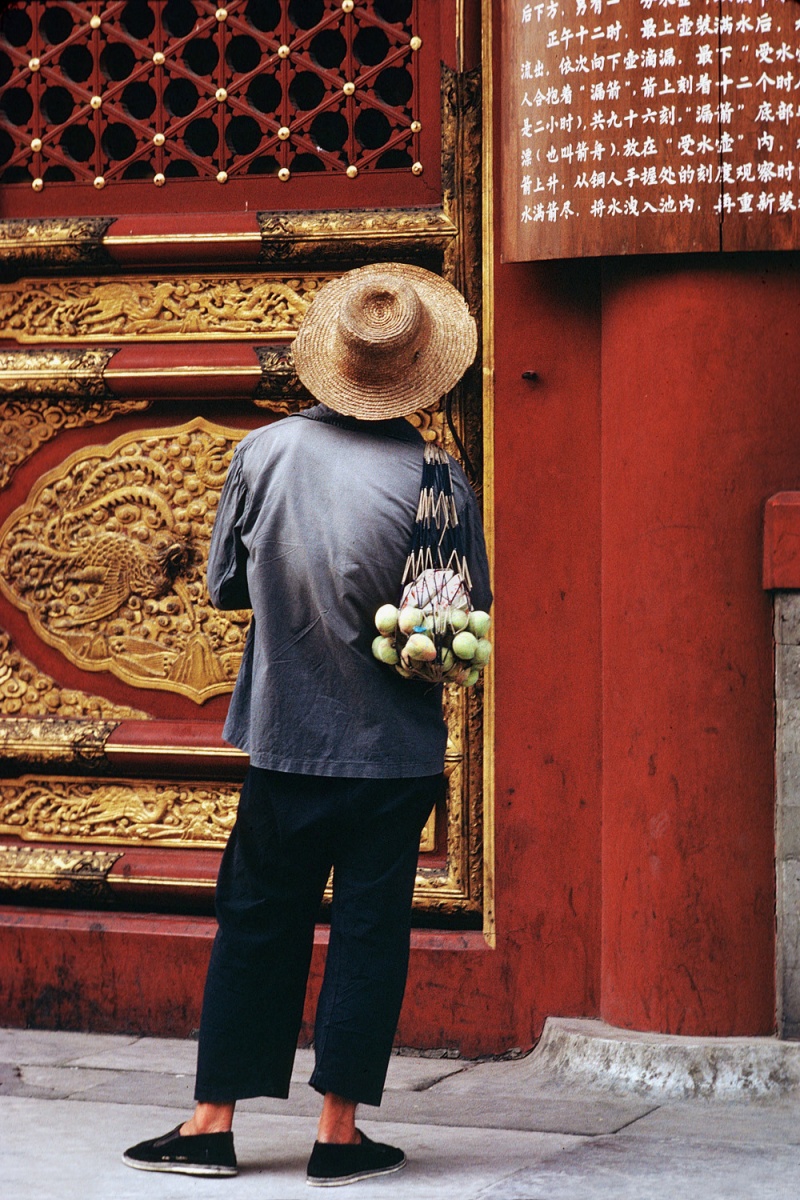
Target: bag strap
[[438, 540]]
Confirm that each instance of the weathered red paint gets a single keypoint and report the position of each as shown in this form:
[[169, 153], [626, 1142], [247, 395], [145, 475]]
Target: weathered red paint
[[143, 973]]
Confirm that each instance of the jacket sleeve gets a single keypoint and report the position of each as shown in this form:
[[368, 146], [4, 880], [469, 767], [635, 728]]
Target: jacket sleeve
[[227, 556]]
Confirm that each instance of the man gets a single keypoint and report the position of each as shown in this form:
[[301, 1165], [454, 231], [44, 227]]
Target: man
[[346, 757]]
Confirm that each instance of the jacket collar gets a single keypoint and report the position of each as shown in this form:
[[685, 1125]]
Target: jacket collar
[[397, 427]]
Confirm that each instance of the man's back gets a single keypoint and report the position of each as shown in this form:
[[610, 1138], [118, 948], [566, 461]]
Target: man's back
[[317, 518]]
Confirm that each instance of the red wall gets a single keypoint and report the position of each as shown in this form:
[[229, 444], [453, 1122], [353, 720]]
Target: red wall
[[547, 447], [634, 710]]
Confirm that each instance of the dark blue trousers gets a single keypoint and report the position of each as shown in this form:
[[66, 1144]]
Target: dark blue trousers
[[290, 831]]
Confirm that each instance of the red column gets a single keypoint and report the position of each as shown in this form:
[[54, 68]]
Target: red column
[[700, 426]]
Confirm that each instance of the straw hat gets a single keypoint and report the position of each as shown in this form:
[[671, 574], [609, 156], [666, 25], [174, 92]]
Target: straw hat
[[384, 340]]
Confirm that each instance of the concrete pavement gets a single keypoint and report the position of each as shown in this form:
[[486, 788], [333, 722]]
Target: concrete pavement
[[591, 1114]]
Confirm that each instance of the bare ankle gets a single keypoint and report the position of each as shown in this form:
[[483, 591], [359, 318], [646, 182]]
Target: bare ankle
[[337, 1122], [209, 1118]]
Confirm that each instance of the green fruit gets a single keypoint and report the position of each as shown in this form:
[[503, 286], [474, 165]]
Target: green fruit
[[447, 660], [458, 619], [483, 652], [472, 677], [479, 623], [408, 619], [404, 672], [420, 647], [376, 646], [464, 645], [387, 652], [386, 618]]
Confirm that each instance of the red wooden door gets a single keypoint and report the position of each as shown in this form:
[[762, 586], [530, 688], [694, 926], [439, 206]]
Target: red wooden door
[[176, 181]]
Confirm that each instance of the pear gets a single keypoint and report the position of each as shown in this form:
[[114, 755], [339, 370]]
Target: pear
[[464, 645], [479, 622], [483, 652], [420, 647], [386, 619], [408, 619], [458, 619], [387, 652]]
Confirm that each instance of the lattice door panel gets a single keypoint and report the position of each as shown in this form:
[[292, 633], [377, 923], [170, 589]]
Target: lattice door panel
[[161, 91]]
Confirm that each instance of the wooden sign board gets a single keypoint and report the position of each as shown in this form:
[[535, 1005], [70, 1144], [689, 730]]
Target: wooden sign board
[[649, 126]]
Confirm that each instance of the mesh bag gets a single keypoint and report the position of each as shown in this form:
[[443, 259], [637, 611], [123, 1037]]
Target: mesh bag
[[434, 634]]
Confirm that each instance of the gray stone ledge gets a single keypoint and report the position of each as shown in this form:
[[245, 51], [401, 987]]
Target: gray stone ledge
[[591, 1054]]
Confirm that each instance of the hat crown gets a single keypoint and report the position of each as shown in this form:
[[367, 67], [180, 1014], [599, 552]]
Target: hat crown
[[381, 324], [382, 313]]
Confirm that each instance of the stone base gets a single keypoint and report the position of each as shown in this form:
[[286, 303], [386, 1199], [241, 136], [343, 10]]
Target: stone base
[[591, 1054]]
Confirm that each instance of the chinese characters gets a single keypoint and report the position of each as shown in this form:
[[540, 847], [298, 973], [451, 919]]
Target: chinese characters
[[650, 125]]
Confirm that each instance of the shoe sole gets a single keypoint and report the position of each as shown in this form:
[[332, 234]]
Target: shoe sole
[[342, 1179], [179, 1168]]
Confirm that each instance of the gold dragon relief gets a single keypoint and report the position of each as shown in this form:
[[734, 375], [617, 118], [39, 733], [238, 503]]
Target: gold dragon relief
[[120, 811], [107, 559], [132, 308]]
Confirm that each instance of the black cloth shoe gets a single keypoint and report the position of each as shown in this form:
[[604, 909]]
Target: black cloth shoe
[[200, 1154], [332, 1164]]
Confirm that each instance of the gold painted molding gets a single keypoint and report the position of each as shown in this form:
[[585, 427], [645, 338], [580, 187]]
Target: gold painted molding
[[118, 812], [51, 740], [353, 236], [487, 235], [279, 389], [107, 560], [38, 868], [139, 813], [77, 374], [53, 244], [127, 308]]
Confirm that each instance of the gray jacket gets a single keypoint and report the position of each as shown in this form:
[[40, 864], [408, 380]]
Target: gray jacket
[[312, 532]]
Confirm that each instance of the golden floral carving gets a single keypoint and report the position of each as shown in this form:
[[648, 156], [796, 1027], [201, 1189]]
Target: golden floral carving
[[39, 868], [118, 812], [427, 840], [52, 740], [430, 423], [134, 308], [25, 691], [25, 425], [107, 559]]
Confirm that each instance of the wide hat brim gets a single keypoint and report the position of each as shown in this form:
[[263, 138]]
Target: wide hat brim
[[442, 355]]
